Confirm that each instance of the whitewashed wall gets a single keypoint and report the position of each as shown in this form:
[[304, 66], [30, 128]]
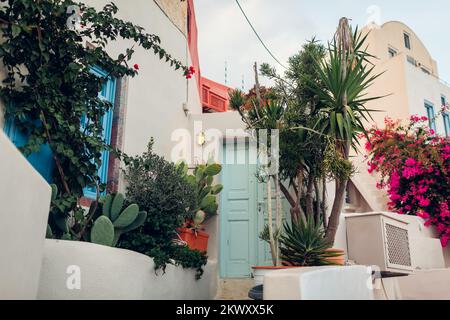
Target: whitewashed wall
[[25, 202], [79, 270], [156, 96], [423, 87]]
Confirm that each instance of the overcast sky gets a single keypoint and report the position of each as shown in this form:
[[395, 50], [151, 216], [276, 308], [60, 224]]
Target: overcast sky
[[284, 25]]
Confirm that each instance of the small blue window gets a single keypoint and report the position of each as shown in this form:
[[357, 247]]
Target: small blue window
[[431, 115]]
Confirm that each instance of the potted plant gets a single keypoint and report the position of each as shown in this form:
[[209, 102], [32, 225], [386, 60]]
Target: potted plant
[[303, 244], [193, 235], [205, 205]]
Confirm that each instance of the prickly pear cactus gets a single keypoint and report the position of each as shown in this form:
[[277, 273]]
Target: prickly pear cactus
[[202, 179], [103, 232], [121, 220], [199, 218]]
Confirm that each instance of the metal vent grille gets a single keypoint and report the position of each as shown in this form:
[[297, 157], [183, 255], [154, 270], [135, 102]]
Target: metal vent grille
[[397, 241]]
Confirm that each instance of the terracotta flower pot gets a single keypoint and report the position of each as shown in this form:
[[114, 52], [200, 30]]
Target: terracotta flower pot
[[195, 240], [337, 260]]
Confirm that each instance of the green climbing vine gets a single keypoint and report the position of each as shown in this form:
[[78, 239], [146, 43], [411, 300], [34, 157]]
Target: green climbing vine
[[49, 87]]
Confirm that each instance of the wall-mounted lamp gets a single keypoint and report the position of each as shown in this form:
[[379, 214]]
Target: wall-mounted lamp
[[201, 138]]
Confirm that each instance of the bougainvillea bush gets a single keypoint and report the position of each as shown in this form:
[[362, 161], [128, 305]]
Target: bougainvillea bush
[[414, 165]]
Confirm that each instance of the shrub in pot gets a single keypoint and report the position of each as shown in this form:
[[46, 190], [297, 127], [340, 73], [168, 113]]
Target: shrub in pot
[[160, 188]]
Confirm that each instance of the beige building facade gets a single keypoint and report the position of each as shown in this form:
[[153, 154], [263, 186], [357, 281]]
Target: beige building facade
[[410, 83]]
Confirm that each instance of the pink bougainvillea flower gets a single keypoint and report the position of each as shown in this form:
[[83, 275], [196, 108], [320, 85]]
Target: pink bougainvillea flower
[[424, 202], [414, 164], [422, 214], [415, 118], [444, 240]]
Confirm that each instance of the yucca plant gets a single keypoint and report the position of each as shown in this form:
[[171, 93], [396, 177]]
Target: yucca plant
[[304, 244], [344, 79]]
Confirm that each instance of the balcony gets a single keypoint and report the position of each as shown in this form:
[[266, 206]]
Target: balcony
[[214, 96]]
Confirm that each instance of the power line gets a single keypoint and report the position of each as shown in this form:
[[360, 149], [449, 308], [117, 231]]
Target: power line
[[257, 35]]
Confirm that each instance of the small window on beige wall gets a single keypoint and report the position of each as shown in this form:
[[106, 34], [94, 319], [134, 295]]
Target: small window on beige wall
[[407, 39], [392, 52]]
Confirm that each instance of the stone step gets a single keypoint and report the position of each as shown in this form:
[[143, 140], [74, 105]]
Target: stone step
[[234, 289]]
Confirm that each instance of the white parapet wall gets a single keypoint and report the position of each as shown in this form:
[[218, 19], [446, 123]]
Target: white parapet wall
[[319, 283], [85, 271], [25, 202]]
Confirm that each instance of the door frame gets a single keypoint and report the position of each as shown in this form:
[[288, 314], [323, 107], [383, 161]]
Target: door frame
[[223, 242]]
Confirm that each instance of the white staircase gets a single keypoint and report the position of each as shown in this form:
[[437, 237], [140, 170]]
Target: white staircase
[[366, 184]]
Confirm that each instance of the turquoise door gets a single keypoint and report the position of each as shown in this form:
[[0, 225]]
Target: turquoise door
[[238, 214], [243, 213]]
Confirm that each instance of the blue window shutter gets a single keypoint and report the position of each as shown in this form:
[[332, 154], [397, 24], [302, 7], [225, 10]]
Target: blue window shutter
[[42, 160], [107, 93]]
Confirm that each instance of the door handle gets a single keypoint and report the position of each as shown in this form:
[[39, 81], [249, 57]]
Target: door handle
[[260, 206]]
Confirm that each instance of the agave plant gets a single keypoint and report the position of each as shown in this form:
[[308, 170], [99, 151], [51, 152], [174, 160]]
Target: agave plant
[[304, 244]]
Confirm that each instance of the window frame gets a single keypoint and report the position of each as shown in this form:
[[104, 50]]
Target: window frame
[[431, 114], [110, 95], [407, 40], [392, 52], [446, 118]]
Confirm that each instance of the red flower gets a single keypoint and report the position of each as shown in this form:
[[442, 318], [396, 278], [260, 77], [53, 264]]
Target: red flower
[[189, 72], [136, 67]]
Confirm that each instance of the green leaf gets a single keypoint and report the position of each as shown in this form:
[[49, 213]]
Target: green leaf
[[106, 211], [207, 201], [213, 169], [217, 189], [340, 122], [16, 29], [139, 221], [54, 192], [116, 206], [127, 217], [102, 232], [199, 174], [49, 232]]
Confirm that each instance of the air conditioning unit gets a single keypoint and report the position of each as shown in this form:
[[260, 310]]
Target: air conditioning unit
[[379, 239]]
